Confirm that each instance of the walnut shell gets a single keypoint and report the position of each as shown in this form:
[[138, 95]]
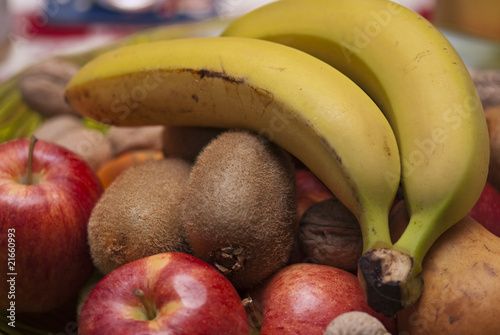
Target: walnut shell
[[487, 83], [42, 87], [356, 323], [330, 235]]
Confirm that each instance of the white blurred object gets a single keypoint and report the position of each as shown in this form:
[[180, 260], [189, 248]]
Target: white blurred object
[[16, 6], [135, 6], [417, 5], [190, 8], [237, 7]]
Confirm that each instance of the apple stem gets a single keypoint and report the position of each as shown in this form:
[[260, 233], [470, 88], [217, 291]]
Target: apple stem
[[150, 311], [254, 315], [29, 173]]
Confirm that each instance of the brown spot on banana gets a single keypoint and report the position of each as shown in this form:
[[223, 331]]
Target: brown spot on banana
[[214, 74]]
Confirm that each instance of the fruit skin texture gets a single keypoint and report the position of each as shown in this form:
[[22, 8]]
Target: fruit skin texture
[[310, 190], [330, 235], [443, 138], [299, 102], [52, 259], [486, 211], [462, 289], [304, 298], [139, 214], [239, 208], [189, 296]]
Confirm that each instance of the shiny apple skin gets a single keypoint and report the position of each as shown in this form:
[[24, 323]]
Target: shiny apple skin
[[191, 297], [303, 298], [52, 260], [310, 190]]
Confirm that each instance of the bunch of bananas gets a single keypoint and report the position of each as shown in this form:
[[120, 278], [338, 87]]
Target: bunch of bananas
[[426, 93], [367, 93]]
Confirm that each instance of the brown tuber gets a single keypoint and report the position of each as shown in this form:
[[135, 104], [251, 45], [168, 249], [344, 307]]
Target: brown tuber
[[461, 282]]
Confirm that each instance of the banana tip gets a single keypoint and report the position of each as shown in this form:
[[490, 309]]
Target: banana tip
[[388, 280]]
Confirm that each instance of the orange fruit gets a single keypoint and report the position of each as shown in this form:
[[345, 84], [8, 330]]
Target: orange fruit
[[108, 172]]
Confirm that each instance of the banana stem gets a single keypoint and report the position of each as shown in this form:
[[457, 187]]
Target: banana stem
[[389, 281]]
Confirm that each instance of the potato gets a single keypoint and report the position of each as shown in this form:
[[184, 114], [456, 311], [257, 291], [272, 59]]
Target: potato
[[461, 282]]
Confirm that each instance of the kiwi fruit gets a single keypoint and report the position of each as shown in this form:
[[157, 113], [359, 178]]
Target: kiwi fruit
[[138, 215], [239, 207]]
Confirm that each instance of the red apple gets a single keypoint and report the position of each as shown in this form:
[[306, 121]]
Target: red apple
[[310, 190], [43, 225], [486, 211], [304, 298], [167, 293]]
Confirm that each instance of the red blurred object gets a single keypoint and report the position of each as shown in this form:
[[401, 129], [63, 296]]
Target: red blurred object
[[35, 23], [310, 190], [486, 211]]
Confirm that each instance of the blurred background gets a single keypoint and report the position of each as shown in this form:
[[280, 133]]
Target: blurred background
[[30, 29], [33, 29]]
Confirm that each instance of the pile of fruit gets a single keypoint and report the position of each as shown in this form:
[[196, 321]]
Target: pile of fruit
[[321, 167]]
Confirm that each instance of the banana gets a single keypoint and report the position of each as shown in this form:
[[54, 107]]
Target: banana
[[290, 97], [422, 86]]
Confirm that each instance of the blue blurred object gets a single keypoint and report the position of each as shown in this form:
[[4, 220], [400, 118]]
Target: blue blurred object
[[77, 12]]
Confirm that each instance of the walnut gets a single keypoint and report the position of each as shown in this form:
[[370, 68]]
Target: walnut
[[487, 83], [330, 235], [42, 87], [356, 323], [125, 139]]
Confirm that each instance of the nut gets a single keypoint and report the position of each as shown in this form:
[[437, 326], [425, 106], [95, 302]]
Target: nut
[[42, 87], [355, 323], [330, 235]]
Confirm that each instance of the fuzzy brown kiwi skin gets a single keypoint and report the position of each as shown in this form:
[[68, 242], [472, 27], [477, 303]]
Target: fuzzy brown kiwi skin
[[139, 214], [240, 206]]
